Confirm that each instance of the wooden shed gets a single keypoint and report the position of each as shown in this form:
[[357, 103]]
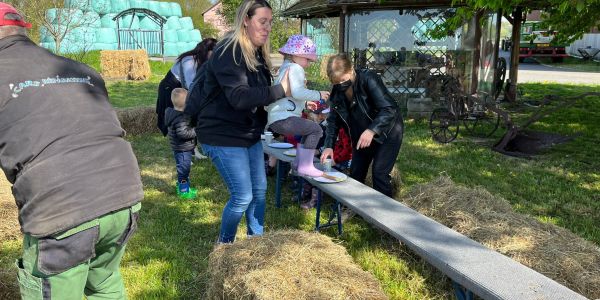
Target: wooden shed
[[392, 39]]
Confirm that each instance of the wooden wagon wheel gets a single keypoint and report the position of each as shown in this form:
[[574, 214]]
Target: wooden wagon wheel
[[443, 125], [480, 120]]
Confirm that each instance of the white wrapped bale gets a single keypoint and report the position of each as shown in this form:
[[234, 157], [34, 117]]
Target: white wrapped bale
[[186, 23]]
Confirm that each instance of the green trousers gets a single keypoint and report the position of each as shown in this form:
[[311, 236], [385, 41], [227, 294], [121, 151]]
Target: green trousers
[[81, 261]]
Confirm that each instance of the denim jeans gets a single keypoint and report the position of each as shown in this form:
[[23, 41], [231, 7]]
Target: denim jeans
[[243, 171], [183, 162]]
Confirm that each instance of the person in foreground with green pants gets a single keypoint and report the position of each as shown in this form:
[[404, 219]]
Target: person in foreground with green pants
[[75, 179]]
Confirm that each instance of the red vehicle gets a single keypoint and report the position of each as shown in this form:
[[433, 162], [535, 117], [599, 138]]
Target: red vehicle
[[539, 42]]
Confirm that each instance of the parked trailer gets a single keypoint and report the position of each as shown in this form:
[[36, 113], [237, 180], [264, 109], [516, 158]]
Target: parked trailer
[[537, 41]]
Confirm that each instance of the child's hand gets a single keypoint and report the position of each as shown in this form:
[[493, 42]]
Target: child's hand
[[312, 105], [324, 95]]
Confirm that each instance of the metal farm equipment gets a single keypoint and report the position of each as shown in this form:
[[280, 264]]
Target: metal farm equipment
[[480, 115]]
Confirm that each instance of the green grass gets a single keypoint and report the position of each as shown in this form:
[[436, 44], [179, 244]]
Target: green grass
[[167, 258], [124, 94], [572, 63]]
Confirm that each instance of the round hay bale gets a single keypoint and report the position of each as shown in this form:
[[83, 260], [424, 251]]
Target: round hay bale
[[144, 4], [136, 3], [107, 21], [182, 47], [288, 265], [117, 6], [154, 6], [78, 4], [173, 23], [183, 35], [101, 6], [165, 9], [171, 49], [45, 36], [138, 120], [490, 220], [129, 21], [68, 16], [170, 36], [106, 35], [195, 36], [92, 19], [84, 36], [186, 23], [51, 15], [176, 9], [148, 24], [191, 45]]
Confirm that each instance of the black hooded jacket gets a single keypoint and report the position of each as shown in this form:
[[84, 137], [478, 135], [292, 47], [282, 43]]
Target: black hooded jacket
[[181, 135]]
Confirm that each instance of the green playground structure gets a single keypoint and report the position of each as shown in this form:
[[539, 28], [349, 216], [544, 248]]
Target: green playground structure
[[157, 27]]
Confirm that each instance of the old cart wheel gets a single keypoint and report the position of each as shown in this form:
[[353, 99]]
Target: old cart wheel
[[443, 125], [481, 123]]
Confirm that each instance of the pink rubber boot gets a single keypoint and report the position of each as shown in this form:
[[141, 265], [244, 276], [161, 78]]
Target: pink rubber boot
[[297, 158], [305, 163]]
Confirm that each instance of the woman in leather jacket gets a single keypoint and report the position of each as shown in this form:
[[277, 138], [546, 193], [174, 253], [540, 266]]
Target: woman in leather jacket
[[361, 103]]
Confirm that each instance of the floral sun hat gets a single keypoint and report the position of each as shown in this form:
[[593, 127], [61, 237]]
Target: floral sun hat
[[300, 45]]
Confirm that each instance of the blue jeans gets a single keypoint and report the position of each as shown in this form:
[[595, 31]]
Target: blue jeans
[[183, 162], [243, 170]]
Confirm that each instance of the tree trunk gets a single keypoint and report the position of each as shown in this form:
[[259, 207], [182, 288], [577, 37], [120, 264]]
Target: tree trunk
[[511, 92]]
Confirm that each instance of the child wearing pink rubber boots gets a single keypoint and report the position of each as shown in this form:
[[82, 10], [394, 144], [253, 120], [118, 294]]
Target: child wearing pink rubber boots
[[285, 114]]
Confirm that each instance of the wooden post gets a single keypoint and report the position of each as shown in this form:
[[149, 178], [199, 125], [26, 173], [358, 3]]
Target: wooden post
[[511, 93], [476, 54], [342, 33]]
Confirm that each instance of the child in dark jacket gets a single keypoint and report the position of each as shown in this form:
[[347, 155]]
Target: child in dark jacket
[[183, 140]]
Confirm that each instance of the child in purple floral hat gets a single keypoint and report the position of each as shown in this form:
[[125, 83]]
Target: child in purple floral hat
[[285, 114]]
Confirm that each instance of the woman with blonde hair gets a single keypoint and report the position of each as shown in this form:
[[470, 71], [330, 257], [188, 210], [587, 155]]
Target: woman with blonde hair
[[231, 116], [362, 104]]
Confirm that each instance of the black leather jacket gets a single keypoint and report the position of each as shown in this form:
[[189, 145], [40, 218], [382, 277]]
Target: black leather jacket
[[372, 104]]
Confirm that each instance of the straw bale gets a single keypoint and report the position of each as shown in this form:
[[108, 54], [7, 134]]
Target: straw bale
[[490, 220], [9, 227], [138, 120], [125, 64], [288, 265]]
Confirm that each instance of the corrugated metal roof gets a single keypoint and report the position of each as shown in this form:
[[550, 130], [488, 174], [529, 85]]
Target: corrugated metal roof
[[319, 8]]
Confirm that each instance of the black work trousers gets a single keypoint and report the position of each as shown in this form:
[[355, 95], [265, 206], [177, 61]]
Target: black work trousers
[[383, 156]]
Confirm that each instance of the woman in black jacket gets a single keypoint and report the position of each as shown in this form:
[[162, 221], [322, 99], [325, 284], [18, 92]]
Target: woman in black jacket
[[181, 75], [231, 116], [361, 102]]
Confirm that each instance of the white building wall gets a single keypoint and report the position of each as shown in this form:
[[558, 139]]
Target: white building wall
[[588, 40]]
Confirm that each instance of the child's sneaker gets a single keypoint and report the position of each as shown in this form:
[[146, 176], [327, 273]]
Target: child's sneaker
[[184, 191]]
